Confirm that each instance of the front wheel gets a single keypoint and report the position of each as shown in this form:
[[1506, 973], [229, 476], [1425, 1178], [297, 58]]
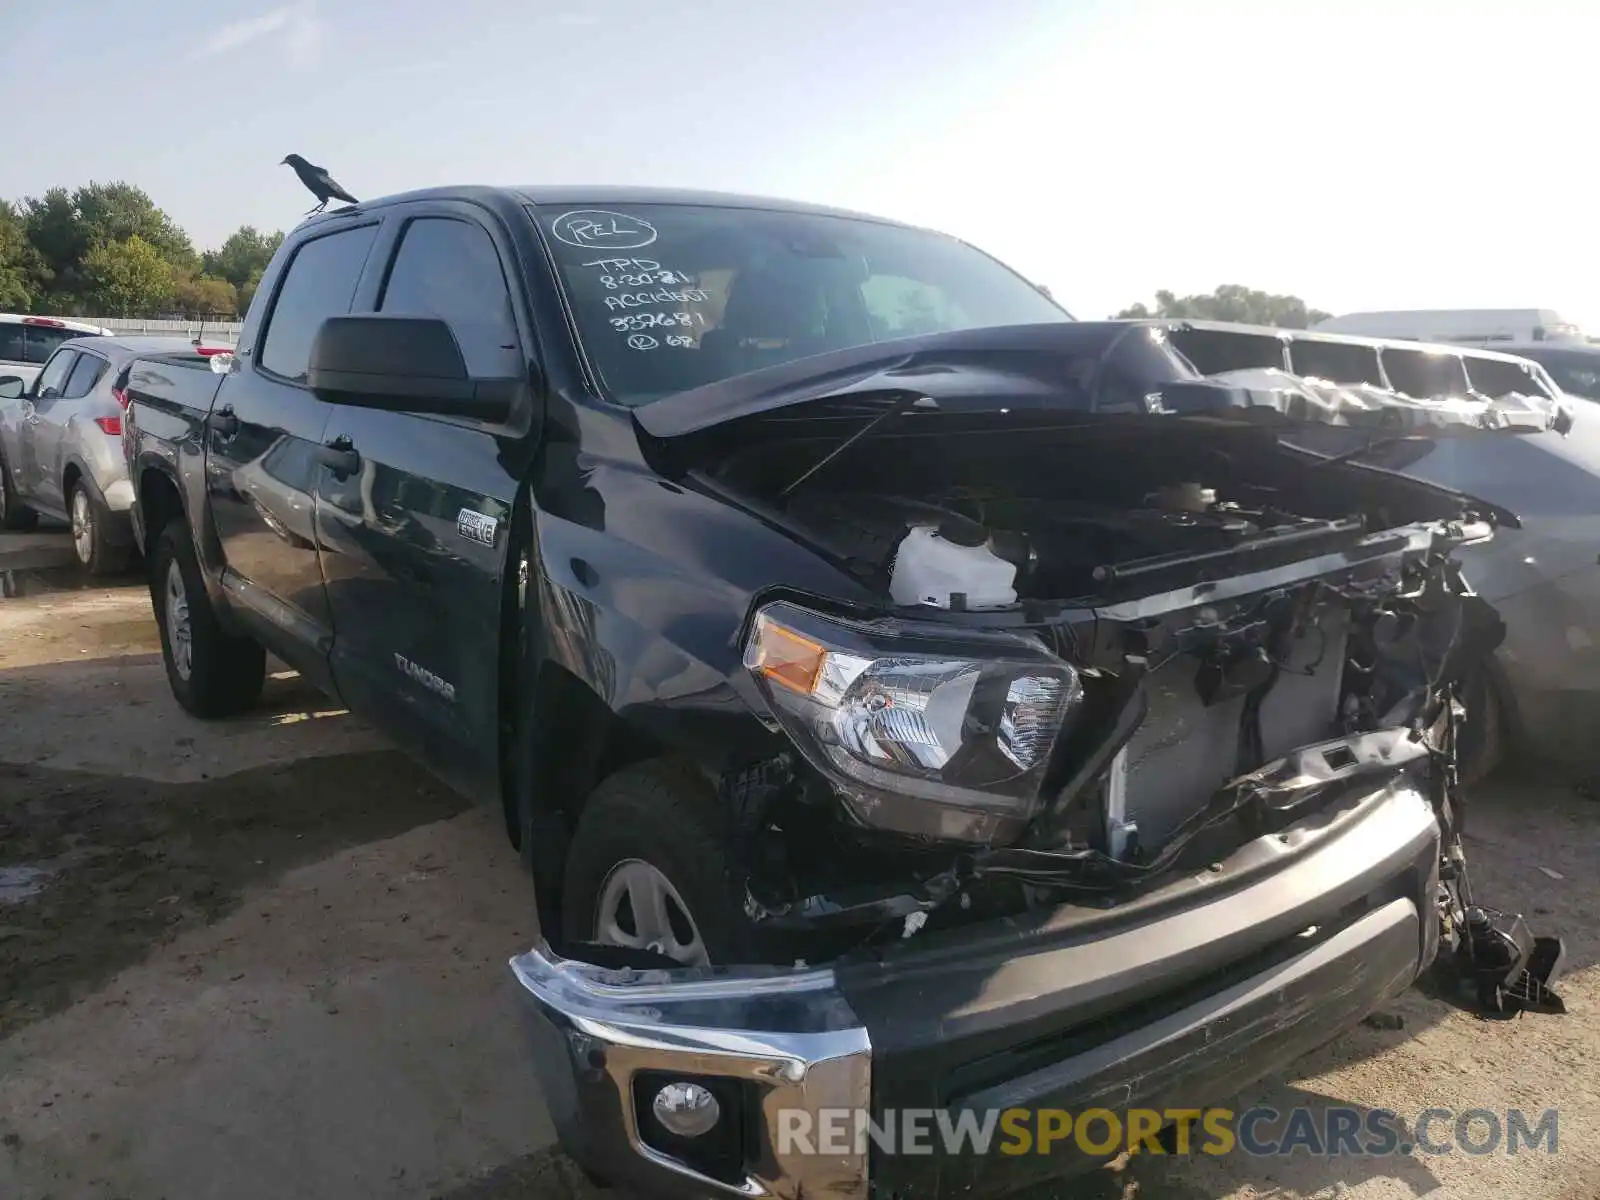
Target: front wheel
[[648, 870], [212, 673], [91, 543], [1480, 739]]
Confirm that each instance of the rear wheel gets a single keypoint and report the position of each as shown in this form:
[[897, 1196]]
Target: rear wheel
[[14, 515], [648, 869], [95, 551], [212, 673]]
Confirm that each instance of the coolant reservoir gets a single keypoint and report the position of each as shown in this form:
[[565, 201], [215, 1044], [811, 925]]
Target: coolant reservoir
[[951, 567]]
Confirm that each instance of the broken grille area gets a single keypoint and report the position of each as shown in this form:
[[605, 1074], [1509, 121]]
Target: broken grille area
[[1186, 749]]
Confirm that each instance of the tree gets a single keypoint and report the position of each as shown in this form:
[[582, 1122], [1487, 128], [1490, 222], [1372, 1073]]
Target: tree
[[57, 237], [19, 263], [126, 278], [1232, 302], [64, 228], [115, 212], [247, 292], [204, 296], [243, 257]]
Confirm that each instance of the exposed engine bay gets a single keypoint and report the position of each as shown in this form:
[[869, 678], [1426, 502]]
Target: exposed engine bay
[[1254, 631]]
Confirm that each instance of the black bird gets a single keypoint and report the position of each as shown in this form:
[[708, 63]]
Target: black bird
[[318, 182]]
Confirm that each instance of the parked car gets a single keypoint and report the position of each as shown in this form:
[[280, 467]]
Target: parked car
[[1540, 695], [1000, 715], [1575, 366], [61, 445], [1471, 325], [27, 342]]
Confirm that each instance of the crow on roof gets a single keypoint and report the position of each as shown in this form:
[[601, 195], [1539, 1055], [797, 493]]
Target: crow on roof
[[318, 182]]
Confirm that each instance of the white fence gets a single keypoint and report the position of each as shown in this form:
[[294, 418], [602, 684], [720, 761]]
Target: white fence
[[211, 331]]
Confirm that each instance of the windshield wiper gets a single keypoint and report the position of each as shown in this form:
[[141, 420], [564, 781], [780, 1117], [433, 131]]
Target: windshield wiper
[[904, 402]]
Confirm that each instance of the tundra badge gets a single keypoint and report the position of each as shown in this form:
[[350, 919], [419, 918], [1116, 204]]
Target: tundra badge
[[425, 677], [476, 526]]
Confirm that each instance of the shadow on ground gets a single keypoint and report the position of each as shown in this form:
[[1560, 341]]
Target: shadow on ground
[[129, 862]]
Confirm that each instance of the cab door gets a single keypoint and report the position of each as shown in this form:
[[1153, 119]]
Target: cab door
[[264, 451], [415, 527]]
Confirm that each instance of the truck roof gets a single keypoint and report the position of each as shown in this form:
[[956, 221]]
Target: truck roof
[[598, 195]]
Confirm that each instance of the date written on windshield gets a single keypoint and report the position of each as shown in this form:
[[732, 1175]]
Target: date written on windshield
[[634, 272]]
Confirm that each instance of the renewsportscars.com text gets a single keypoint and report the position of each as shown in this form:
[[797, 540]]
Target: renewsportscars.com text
[[1260, 1132]]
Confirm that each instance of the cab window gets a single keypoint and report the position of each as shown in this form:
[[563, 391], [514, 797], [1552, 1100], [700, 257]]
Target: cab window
[[450, 269]]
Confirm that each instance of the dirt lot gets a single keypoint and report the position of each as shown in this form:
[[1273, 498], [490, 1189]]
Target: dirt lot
[[267, 958]]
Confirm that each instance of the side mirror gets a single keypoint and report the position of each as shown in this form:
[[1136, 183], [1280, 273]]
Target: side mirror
[[12, 387], [402, 364]]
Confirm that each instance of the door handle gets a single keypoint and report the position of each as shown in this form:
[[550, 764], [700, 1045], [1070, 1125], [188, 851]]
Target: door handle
[[223, 421], [339, 456]]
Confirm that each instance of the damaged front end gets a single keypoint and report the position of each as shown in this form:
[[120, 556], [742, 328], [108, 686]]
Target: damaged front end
[[1152, 732]]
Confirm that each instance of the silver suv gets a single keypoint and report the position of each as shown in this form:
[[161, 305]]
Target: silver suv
[[61, 445]]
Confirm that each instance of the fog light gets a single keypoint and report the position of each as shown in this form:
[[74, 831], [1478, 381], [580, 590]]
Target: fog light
[[686, 1109]]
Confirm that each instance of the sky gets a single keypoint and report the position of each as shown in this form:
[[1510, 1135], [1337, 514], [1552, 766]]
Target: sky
[[1360, 155]]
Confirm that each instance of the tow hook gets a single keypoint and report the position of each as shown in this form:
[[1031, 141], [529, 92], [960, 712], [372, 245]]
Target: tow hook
[[1508, 967]]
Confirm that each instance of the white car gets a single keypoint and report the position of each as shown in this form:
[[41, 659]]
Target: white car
[[27, 342]]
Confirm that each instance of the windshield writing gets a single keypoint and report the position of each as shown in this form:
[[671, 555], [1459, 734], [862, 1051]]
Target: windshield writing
[[671, 297]]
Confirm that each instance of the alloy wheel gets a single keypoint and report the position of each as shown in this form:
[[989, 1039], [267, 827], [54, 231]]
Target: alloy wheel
[[179, 634], [82, 526], [640, 909]]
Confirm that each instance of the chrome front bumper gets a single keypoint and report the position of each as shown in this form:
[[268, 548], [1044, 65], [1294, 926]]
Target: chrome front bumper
[[787, 1037], [861, 1037]]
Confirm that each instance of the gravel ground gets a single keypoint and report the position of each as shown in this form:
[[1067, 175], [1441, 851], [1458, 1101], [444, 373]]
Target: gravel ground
[[267, 957]]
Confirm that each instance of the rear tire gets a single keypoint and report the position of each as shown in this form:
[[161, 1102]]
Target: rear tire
[[212, 673], [95, 551], [659, 817], [14, 514]]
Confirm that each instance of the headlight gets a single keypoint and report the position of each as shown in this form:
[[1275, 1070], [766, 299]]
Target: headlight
[[922, 732]]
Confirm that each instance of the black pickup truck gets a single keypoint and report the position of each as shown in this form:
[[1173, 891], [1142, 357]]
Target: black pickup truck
[[903, 694]]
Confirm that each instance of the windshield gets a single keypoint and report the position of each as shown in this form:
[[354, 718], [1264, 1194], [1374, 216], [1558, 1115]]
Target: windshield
[[669, 297]]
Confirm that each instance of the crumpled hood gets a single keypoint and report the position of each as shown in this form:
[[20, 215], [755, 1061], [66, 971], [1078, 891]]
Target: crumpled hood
[[1073, 370]]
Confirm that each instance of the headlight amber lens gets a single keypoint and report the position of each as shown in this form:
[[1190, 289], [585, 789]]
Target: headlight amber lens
[[891, 711]]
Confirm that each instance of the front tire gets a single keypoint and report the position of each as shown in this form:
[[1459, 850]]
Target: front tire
[[14, 515], [91, 545], [1480, 740], [648, 869], [212, 673]]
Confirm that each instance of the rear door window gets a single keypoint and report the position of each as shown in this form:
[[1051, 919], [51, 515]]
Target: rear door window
[[320, 282], [84, 376]]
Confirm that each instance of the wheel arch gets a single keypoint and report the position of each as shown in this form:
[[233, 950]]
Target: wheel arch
[[159, 501]]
